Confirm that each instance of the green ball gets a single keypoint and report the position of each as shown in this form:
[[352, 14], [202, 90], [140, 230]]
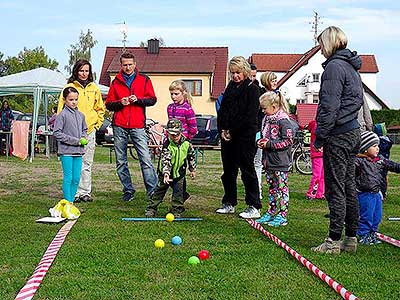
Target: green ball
[[193, 260], [83, 141]]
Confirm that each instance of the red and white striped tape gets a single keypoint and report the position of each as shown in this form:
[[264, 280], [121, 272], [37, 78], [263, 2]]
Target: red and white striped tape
[[332, 283], [388, 239], [33, 283]]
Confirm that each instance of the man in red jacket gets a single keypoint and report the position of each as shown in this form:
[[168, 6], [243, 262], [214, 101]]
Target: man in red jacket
[[129, 94]]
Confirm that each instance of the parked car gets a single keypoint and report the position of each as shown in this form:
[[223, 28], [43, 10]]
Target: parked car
[[104, 130], [28, 117], [207, 131]]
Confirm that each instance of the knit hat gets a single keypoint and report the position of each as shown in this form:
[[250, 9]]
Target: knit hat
[[368, 139], [174, 126]]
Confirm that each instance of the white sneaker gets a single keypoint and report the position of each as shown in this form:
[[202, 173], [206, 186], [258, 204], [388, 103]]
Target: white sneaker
[[226, 209], [250, 213]]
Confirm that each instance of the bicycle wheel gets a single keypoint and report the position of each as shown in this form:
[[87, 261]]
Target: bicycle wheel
[[133, 153], [303, 163]]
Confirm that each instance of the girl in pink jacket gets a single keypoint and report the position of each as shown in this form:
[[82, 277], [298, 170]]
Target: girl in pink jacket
[[316, 189]]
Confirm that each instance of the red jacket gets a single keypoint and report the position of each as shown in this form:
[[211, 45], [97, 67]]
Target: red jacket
[[132, 115]]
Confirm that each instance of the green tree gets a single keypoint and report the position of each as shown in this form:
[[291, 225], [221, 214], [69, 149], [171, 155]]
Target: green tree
[[25, 60], [3, 66], [81, 50], [28, 60]]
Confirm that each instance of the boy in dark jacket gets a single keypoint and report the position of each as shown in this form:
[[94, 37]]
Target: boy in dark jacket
[[369, 167], [176, 153]]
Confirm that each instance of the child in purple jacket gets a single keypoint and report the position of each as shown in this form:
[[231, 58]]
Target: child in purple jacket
[[181, 108]]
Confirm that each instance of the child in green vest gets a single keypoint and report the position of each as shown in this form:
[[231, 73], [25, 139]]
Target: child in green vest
[[176, 155]]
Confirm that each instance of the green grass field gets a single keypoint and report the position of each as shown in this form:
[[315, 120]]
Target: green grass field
[[106, 258]]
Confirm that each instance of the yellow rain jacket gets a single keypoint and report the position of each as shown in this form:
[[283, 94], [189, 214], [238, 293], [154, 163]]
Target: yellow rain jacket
[[90, 104]]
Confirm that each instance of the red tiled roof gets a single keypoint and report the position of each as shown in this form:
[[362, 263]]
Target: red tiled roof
[[286, 62], [306, 112], [274, 62], [181, 60]]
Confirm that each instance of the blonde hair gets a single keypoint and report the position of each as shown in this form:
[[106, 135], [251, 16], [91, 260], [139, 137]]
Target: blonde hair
[[331, 40], [271, 98], [241, 64], [266, 79], [181, 86]]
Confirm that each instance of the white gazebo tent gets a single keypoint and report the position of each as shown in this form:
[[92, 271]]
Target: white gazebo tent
[[40, 83]]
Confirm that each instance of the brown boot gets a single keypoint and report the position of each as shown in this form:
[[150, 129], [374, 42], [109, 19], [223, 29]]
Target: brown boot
[[329, 246], [349, 244]]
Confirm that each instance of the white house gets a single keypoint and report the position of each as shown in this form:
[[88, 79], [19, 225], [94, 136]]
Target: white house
[[299, 75]]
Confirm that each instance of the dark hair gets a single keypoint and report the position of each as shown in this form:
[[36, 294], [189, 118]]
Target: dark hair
[[79, 64], [253, 67], [127, 55], [4, 102], [68, 90]]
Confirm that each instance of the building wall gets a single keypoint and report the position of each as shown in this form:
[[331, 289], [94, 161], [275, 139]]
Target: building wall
[[314, 65], [201, 104]]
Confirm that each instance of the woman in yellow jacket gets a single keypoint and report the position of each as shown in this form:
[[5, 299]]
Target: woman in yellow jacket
[[91, 105]]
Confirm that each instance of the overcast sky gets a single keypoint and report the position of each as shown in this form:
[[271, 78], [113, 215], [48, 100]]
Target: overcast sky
[[246, 27]]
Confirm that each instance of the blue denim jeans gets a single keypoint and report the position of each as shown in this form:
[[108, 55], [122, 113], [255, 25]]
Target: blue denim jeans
[[139, 140]]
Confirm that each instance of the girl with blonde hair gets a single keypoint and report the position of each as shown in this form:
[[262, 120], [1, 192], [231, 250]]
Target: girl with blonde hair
[[181, 108], [276, 143]]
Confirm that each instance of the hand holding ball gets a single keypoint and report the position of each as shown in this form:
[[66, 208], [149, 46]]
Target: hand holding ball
[[83, 141]]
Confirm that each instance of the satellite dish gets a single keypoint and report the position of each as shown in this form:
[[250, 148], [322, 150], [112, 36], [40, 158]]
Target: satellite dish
[[284, 91]]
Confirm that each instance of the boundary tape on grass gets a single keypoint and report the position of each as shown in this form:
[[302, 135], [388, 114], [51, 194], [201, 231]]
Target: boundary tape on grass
[[160, 219], [388, 239], [312, 268], [33, 283]]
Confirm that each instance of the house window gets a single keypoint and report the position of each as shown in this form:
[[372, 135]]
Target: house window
[[303, 81], [194, 87], [300, 100], [315, 77], [315, 99]]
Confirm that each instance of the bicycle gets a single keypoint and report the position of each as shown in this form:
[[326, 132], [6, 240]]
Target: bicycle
[[156, 134], [301, 157]]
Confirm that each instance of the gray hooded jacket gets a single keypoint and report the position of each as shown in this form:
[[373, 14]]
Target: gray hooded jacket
[[69, 128]]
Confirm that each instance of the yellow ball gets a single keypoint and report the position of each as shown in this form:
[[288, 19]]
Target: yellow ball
[[159, 243], [169, 217]]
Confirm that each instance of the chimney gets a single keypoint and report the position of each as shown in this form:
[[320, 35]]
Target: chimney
[[153, 46]]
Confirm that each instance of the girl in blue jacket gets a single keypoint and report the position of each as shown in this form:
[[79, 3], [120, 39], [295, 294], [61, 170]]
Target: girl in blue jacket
[[70, 131]]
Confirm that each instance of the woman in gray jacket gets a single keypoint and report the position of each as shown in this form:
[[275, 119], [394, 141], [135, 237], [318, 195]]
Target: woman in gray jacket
[[338, 132], [70, 131]]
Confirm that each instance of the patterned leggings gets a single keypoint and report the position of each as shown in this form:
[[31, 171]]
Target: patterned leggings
[[278, 192]]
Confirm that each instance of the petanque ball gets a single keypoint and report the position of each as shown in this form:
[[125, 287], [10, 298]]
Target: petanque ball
[[193, 260], [169, 217], [203, 254], [159, 243], [176, 240]]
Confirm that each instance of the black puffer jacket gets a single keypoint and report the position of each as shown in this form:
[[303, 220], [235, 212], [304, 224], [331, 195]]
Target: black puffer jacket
[[369, 172], [239, 110], [340, 95]]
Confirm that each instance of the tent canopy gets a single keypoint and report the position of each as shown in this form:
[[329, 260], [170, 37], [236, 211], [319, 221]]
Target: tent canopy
[[40, 83]]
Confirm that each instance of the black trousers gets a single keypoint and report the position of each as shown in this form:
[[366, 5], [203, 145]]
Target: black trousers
[[239, 154], [340, 186]]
